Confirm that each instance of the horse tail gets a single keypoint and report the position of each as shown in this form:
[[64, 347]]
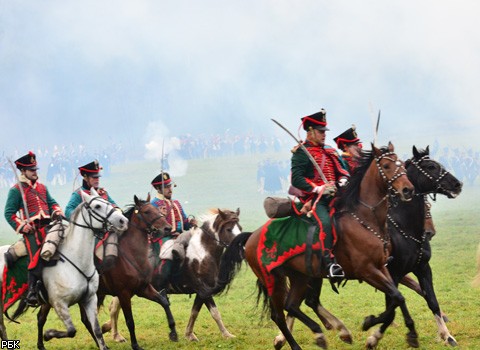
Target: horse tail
[[476, 279], [262, 296], [22, 307], [230, 264]]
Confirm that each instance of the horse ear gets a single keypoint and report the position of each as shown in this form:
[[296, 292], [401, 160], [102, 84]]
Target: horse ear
[[427, 150], [221, 213], [415, 152], [238, 212], [85, 196], [148, 197], [390, 146], [135, 198], [375, 150]]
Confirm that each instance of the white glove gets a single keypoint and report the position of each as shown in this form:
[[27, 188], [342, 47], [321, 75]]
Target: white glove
[[318, 189], [342, 182]]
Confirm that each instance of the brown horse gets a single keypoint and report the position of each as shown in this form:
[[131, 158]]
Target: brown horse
[[362, 247], [132, 272], [206, 245]]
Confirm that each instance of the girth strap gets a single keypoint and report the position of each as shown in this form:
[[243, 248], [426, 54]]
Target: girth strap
[[309, 249]]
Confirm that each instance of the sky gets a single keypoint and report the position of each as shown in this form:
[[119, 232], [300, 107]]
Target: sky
[[137, 72]]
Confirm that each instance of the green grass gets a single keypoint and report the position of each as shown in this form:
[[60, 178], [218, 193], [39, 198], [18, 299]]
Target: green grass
[[231, 183]]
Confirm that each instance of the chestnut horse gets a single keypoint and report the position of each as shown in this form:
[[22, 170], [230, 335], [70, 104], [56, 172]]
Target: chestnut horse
[[132, 272], [362, 248]]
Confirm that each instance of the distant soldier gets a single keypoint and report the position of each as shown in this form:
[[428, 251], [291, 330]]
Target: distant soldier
[[32, 196]]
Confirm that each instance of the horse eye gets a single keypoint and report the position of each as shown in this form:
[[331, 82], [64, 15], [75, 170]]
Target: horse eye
[[98, 206], [386, 166]]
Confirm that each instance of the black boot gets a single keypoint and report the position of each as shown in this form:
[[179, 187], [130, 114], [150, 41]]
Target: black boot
[[31, 298], [9, 259]]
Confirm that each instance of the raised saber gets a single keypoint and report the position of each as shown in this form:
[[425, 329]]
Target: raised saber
[[304, 149], [376, 128]]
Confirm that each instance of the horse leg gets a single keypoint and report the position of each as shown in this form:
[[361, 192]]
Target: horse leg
[[61, 308], [197, 305], [86, 322], [295, 296], [277, 304], [112, 323], [151, 293], [126, 304], [425, 278], [41, 320], [328, 319], [280, 339], [212, 307], [90, 308]]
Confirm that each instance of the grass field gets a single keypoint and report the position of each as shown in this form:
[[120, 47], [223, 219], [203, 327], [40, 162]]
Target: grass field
[[231, 183]]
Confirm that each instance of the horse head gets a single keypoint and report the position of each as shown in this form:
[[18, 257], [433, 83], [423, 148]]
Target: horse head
[[226, 225], [148, 217], [429, 176], [101, 212], [393, 172]]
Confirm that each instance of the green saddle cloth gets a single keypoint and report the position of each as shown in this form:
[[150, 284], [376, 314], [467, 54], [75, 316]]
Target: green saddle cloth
[[15, 282]]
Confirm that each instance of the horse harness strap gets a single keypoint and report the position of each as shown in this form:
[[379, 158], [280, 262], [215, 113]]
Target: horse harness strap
[[385, 240], [88, 278], [309, 249], [420, 242]]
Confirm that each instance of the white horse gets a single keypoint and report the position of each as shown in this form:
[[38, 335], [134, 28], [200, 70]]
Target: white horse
[[74, 279]]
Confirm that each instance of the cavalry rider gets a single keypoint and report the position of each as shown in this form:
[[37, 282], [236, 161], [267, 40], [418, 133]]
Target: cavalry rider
[[315, 193], [176, 217], [351, 146], [32, 196], [91, 178]]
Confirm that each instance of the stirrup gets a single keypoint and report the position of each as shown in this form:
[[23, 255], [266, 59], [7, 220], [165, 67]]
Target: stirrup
[[335, 271]]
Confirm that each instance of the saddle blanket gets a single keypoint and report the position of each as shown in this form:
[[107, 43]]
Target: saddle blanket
[[15, 282]]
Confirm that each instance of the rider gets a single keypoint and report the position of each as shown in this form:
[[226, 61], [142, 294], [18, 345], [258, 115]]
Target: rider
[[351, 146], [31, 195], [316, 195], [91, 178], [176, 217]]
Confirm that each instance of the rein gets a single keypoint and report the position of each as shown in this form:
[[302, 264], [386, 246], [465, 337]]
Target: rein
[[92, 215]]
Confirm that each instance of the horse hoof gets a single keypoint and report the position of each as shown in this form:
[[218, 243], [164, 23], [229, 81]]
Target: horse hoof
[[367, 322], [137, 347], [48, 335], [347, 338], [451, 341], [413, 341], [321, 342], [173, 336]]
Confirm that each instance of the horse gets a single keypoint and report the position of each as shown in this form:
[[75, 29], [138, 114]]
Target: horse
[[361, 249], [411, 246], [74, 279], [200, 268], [411, 251], [132, 273]]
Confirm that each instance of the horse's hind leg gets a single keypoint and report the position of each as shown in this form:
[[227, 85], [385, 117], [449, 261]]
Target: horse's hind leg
[[329, 320], [197, 305], [212, 307], [3, 329], [298, 287], [41, 319], [280, 340], [112, 324]]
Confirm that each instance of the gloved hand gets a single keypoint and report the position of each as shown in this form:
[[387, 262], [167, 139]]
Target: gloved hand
[[57, 214], [27, 228], [330, 190], [342, 182], [318, 189]]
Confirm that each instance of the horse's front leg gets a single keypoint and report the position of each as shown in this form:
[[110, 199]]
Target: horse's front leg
[[41, 320], [424, 275], [126, 304], [90, 309], [151, 293], [61, 308], [212, 307], [112, 324]]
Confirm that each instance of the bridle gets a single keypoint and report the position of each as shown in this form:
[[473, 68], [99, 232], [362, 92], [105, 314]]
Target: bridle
[[89, 215], [443, 173], [218, 240], [150, 228]]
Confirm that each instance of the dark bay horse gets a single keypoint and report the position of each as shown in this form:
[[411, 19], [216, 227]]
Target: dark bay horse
[[362, 247], [132, 272], [200, 267], [411, 246]]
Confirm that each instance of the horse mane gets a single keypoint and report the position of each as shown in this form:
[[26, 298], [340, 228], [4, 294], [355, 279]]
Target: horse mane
[[348, 196]]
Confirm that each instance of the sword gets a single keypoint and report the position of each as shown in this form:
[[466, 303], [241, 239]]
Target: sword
[[20, 187], [376, 128], [304, 149]]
